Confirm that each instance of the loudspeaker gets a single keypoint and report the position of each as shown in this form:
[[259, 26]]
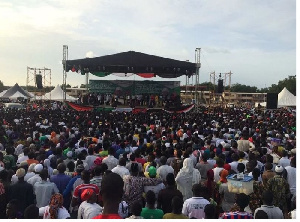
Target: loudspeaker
[[272, 100], [220, 86], [38, 79]]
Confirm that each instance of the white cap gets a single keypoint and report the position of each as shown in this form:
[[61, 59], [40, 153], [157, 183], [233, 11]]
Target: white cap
[[38, 168]]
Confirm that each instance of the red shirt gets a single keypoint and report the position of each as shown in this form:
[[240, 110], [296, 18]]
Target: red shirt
[[80, 188], [108, 216]]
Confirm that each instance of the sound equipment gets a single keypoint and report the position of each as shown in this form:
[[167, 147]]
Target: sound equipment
[[272, 100], [39, 83], [220, 86]]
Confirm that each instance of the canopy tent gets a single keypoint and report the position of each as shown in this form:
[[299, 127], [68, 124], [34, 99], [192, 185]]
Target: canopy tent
[[286, 98], [139, 63], [57, 95], [15, 92], [2, 93]]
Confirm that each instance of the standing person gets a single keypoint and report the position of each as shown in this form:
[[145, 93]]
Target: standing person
[[112, 192], [194, 207], [44, 190], [12, 210], [136, 209], [176, 204], [21, 191], [90, 158], [166, 195], [164, 169], [55, 209], [203, 167], [150, 212], [121, 168], [291, 179], [268, 207], [133, 160], [255, 196], [242, 202], [134, 185], [186, 178], [36, 178], [85, 176], [218, 169], [227, 198], [268, 173], [280, 189], [284, 160], [110, 160], [89, 207], [61, 180]]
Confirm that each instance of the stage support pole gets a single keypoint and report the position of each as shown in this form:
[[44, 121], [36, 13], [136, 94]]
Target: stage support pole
[[64, 62], [197, 74]]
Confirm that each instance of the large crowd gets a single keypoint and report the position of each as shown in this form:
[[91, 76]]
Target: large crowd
[[58, 163]]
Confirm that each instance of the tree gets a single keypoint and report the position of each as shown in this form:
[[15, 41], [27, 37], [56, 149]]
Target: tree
[[289, 83], [1, 86], [243, 88]]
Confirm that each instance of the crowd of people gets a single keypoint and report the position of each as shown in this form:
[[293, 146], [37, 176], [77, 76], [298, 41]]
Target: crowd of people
[[58, 163], [146, 100]]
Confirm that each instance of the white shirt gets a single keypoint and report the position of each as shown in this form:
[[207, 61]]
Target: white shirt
[[21, 159], [62, 213], [155, 189], [284, 162], [291, 178], [110, 161], [194, 207], [217, 171], [90, 160], [272, 211], [163, 171], [88, 211], [28, 175], [121, 170], [233, 165], [43, 191], [36, 178]]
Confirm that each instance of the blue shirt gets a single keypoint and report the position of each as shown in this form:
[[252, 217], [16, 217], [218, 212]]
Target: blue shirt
[[69, 187], [61, 180]]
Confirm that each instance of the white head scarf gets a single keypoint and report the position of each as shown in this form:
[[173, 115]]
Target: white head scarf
[[188, 167]]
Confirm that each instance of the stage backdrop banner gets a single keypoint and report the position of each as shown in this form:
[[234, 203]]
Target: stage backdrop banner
[[131, 87]]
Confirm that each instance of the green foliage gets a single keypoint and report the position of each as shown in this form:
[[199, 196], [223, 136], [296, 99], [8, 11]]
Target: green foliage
[[1, 86], [243, 88], [289, 83]]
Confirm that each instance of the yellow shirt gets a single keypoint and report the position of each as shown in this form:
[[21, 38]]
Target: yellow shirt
[[174, 216]]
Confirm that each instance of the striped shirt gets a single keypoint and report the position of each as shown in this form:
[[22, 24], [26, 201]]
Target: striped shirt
[[236, 215], [79, 189]]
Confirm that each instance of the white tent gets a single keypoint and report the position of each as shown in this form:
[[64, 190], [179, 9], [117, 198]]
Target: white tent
[[57, 95], [286, 98]]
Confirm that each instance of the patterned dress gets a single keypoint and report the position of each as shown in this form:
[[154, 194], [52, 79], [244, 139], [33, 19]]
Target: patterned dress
[[255, 197]]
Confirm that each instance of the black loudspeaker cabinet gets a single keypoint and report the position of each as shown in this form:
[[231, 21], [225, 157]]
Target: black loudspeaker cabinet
[[220, 86], [39, 83], [272, 100]]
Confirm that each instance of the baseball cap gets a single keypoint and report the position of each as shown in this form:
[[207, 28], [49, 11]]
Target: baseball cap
[[86, 194], [152, 171]]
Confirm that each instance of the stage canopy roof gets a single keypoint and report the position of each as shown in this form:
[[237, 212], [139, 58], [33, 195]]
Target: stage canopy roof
[[138, 63]]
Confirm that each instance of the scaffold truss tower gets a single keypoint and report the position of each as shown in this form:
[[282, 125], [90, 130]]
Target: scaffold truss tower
[[32, 74]]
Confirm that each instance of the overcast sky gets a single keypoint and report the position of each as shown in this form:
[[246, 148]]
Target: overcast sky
[[255, 40]]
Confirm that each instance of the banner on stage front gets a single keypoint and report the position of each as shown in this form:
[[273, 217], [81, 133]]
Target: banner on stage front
[[131, 87]]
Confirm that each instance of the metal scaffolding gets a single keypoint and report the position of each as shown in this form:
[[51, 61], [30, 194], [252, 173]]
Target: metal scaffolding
[[64, 62], [32, 76], [197, 74]]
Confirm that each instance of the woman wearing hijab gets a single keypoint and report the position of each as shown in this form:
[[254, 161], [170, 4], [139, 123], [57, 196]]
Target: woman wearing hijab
[[227, 198], [55, 209], [186, 178], [48, 167]]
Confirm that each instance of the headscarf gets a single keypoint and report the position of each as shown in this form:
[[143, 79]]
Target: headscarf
[[187, 168], [56, 202], [49, 168], [210, 180], [19, 149], [223, 175]]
